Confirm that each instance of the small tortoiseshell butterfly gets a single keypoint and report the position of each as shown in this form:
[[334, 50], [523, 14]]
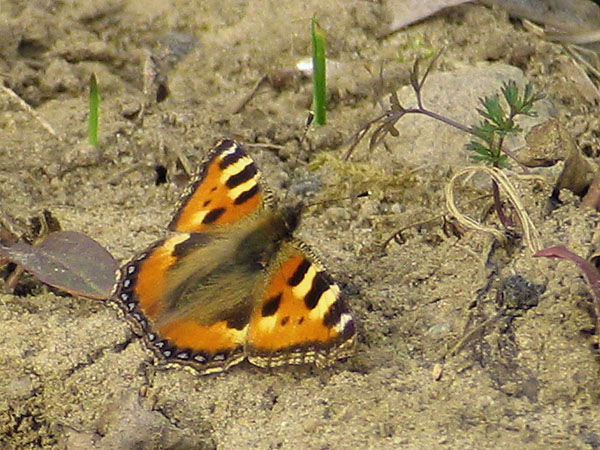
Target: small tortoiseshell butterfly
[[232, 282]]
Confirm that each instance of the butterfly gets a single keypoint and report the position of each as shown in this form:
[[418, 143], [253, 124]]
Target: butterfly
[[231, 282]]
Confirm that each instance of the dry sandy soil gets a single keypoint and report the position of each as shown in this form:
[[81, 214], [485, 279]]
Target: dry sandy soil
[[464, 342]]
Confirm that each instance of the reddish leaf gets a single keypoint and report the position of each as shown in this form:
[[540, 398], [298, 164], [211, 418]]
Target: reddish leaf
[[67, 260], [589, 271]]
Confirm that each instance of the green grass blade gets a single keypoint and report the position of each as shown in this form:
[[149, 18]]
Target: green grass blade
[[319, 86], [93, 117]]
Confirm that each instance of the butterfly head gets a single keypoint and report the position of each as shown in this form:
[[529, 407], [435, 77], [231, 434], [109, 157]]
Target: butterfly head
[[290, 217]]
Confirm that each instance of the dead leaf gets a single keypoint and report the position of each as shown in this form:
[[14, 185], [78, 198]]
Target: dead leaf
[[576, 175], [407, 12], [592, 198], [69, 261]]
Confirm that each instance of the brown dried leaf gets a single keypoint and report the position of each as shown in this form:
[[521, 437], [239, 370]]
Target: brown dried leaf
[[69, 261], [592, 198], [576, 175]]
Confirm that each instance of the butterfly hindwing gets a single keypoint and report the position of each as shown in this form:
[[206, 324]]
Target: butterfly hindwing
[[148, 294], [301, 316]]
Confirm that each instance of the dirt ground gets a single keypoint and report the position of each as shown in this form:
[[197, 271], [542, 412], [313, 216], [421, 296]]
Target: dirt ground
[[439, 362]]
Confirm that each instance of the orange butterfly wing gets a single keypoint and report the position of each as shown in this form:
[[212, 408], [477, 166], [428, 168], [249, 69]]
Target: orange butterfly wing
[[301, 317], [227, 190]]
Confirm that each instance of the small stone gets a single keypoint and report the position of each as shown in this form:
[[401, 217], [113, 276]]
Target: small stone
[[437, 371], [82, 154]]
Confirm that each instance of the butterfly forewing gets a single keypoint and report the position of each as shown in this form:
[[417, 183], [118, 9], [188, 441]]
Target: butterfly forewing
[[227, 190]]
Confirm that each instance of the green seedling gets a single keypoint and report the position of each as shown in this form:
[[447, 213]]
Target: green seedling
[[94, 106], [319, 73]]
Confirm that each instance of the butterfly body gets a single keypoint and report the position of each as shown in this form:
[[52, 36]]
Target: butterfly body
[[231, 282]]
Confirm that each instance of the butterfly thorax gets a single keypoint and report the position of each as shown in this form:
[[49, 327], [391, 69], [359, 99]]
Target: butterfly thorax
[[259, 245]]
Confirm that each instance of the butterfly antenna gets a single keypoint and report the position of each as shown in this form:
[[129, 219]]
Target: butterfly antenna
[[338, 199], [309, 121]]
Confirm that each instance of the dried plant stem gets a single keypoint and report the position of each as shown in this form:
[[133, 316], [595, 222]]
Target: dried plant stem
[[241, 103], [387, 120], [474, 333], [529, 231], [32, 112]]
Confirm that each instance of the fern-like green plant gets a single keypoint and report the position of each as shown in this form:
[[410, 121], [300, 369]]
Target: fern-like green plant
[[487, 142], [499, 122]]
